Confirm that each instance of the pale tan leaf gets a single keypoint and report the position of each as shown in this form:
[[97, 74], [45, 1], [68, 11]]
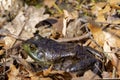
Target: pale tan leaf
[[49, 3], [48, 71], [35, 16], [67, 17], [12, 75], [15, 27], [112, 57], [89, 75], [112, 37], [100, 18], [106, 74], [105, 10], [33, 76], [97, 7], [96, 30], [6, 4], [113, 1]]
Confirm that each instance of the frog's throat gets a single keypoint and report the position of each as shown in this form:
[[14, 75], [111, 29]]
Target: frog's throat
[[33, 55]]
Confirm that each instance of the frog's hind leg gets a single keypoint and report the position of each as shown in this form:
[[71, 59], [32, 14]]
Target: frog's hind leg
[[83, 65], [97, 68]]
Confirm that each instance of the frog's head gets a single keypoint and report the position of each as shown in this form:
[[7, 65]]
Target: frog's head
[[33, 51], [32, 44]]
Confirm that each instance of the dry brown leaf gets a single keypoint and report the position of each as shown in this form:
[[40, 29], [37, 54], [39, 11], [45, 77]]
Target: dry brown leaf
[[97, 33], [105, 10], [97, 7], [75, 29], [89, 75], [35, 16], [2, 45], [24, 24], [70, 15], [47, 72], [58, 27], [12, 75], [111, 56], [49, 3], [45, 79], [101, 16], [107, 39], [15, 27], [67, 17], [33, 76], [115, 6], [113, 1], [111, 36], [6, 4], [107, 74], [2, 21]]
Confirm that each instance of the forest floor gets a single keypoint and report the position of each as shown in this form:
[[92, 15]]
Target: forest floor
[[91, 23]]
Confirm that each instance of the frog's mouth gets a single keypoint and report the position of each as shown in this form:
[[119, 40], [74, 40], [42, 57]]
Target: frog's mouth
[[33, 53]]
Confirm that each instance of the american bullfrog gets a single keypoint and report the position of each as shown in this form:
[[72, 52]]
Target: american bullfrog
[[78, 58]]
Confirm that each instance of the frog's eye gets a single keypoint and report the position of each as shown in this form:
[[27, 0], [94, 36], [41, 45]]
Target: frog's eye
[[33, 47]]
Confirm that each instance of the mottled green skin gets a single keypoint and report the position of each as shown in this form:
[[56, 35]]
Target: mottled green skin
[[48, 52]]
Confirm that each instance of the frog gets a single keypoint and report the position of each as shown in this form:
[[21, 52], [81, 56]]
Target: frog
[[48, 52]]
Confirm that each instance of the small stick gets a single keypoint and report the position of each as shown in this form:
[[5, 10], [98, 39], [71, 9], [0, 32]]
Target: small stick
[[74, 39]]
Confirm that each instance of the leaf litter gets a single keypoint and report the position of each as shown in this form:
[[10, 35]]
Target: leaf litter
[[93, 23]]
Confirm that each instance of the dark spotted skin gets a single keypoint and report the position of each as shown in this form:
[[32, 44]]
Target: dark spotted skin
[[80, 58]]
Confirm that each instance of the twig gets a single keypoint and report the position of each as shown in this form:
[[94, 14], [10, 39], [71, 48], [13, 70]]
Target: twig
[[59, 10], [74, 39]]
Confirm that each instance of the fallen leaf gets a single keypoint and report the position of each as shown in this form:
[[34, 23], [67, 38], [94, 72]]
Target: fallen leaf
[[89, 75], [96, 30], [47, 72], [67, 17], [15, 27], [112, 37], [97, 7], [74, 29], [111, 56], [107, 74], [6, 4], [57, 28], [113, 1], [100, 18], [107, 38], [33, 76], [102, 12], [35, 16], [13, 74], [49, 3]]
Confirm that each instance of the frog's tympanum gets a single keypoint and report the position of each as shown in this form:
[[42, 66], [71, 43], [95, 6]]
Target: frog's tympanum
[[70, 57]]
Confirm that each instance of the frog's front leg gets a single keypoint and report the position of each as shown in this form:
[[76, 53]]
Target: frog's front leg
[[88, 64]]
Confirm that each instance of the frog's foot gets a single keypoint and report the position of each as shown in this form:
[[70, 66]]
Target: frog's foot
[[88, 64]]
